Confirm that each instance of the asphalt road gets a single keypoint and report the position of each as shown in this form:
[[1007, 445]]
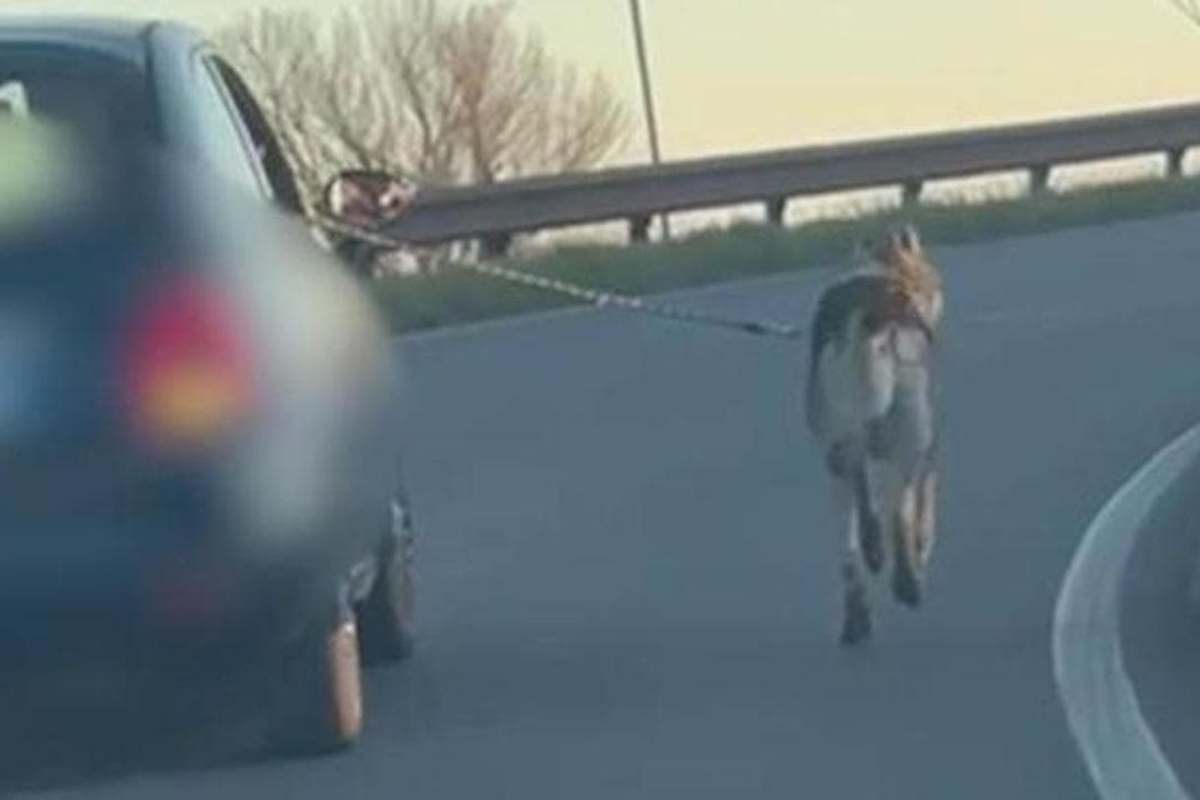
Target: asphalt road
[[629, 566]]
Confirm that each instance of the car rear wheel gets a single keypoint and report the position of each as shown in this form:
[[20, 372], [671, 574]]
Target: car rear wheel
[[318, 702], [386, 615]]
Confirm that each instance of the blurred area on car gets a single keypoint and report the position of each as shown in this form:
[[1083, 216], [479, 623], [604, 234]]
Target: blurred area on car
[[178, 433]]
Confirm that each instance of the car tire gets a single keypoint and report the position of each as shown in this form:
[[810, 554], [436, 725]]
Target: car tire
[[386, 615], [317, 704]]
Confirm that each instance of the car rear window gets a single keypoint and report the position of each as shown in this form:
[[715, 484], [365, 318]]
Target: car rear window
[[101, 100]]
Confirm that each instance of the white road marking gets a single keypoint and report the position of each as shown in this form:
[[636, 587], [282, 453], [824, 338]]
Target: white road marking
[[1122, 754]]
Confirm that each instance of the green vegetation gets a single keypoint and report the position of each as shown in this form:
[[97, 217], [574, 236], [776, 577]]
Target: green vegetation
[[453, 296]]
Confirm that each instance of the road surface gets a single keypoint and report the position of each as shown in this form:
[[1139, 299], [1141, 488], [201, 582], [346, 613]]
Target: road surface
[[629, 569]]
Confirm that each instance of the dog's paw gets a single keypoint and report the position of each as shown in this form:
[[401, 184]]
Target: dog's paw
[[856, 627], [906, 586]]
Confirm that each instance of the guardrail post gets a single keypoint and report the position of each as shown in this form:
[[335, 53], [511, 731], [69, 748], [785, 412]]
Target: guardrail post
[[495, 245], [1175, 162], [776, 208], [1039, 178], [639, 229], [910, 192]]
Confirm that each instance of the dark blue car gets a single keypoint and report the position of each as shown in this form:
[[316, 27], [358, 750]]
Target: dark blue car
[[198, 439]]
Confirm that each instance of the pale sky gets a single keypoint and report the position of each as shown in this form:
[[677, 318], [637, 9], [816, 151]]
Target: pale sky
[[736, 75]]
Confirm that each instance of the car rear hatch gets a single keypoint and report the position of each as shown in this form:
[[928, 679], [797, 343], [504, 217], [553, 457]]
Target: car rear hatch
[[83, 241]]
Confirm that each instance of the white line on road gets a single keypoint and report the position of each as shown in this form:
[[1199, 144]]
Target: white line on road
[[1122, 753]]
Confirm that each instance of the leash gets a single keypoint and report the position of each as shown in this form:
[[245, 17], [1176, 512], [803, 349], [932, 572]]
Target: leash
[[587, 295]]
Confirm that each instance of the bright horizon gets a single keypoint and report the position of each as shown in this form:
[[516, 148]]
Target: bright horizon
[[740, 75]]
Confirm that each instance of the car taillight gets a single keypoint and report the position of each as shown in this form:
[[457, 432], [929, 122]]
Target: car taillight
[[187, 373]]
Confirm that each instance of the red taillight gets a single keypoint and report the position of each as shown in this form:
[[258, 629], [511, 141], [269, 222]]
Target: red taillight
[[187, 372]]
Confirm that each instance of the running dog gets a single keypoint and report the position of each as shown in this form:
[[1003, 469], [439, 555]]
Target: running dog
[[870, 405]]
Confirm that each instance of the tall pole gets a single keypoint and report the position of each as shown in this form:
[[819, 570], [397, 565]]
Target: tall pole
[[635, 10]]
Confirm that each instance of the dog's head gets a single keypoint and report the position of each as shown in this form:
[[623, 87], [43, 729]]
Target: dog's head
[[900, 249], [900, 254]]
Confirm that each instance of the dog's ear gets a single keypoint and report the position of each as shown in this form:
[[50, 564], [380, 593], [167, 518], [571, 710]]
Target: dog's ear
[[900, 244], [889, 247], [910, 239], [864, 252]]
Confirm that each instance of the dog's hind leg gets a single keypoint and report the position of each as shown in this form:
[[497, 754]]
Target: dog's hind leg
[[906, 578], [926, 517], [856, 626], [856, 622], [870, 531]]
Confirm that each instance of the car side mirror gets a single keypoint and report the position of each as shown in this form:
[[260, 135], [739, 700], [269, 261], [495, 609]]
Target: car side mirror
[[368, 199]]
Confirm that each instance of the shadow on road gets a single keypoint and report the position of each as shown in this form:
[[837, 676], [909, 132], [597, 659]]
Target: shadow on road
[[96, 731], [76, 734]]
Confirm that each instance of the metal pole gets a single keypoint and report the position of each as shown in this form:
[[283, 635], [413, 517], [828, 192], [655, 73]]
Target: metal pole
[[635, 11]]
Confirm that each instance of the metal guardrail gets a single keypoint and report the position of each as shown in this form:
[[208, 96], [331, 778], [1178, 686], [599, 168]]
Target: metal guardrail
[[494, 213]]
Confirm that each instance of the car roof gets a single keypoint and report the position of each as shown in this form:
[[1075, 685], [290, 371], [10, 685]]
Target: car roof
[[121, 38]]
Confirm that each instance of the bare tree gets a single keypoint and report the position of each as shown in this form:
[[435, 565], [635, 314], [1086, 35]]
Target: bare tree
[[278, 53], [580, 122], [448, 96], [1190, 8], [423, 99]]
